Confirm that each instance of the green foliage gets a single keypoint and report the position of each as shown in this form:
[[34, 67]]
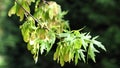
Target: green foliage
[[70, 47], [41, 29]]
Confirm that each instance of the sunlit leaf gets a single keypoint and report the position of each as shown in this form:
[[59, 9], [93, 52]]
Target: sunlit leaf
[[26, 6], [25, 31], [12, 10], [98, 43], [91, 51], [66, 57], [42, 46], [77, 43], [61, 61], [82, 55], [77, 56], [51, 14], [29, 1], [29, 47], [51, 39]]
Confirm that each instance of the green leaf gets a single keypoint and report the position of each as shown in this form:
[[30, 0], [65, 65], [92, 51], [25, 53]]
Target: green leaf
[[66, 57], [29, 1], [77, 33], [71, 55], [25, 5], [63, 34], [41, 33], [51, 14], [12, 10], [29, 47], [37, 4], [82, 54], [36, 51], [62, 61], [51, 40], [19, 10], [61, 15], [35, 57], [39, 13], [77, 56], [91, 51], [56, 55], [20, 13], [42, 46], [98, 43], [77, 43], [25, 31], [83, 41]]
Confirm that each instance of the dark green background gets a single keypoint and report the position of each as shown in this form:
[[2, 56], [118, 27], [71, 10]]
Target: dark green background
[[100, 17]]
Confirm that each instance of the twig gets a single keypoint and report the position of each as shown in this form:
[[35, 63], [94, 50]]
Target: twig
[[26, 11]]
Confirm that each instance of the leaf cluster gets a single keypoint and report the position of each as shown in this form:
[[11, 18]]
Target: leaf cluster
[[41, 29]]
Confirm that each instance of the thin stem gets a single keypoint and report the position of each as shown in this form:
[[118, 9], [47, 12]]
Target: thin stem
[[26, 11]]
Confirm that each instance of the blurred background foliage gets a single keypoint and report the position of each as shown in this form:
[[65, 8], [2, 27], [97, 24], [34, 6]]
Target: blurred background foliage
[[101, 17]]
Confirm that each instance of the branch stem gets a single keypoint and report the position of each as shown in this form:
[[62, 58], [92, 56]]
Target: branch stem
[[30, 14], [26, 11]]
